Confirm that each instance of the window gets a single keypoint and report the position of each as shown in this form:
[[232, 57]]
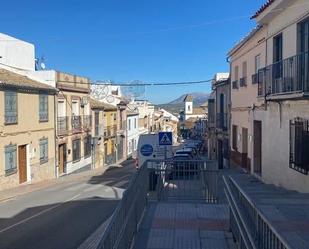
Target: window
[[244, 69], [303, 37], [75, 108], [236, 76], [135, 121], [96, 123], [277, 48], [129, 124], [10, 107], [43, 150], [234, 137], [10, 159], [299, 144], [43, 109], [87, 146], [257, 63], [76, 150]]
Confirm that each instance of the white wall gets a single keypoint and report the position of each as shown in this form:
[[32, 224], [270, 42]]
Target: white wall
[[132, 133], [17, 53]]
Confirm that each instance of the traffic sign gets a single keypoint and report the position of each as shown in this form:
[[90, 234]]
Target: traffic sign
[[165, 138], [147, 150]]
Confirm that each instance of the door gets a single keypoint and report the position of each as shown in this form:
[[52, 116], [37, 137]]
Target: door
[[257, 146], [220, 154], [62, 158], [22, 163], [245, 148]]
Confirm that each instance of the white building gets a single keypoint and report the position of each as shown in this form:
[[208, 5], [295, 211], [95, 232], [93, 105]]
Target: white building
[[132, 133], [190, 111]]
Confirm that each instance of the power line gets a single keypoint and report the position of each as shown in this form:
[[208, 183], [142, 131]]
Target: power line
[[98, 83]]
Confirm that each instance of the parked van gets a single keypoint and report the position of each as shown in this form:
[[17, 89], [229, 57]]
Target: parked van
[[148, 148]]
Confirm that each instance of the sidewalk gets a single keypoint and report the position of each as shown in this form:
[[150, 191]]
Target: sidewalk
[[8, 194], [172, 225]]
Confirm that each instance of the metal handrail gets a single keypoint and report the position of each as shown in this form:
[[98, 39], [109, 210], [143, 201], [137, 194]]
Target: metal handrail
[[129, 212], [259, 214]]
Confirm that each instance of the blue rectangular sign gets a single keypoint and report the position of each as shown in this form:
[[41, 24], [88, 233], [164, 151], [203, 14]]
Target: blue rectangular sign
[[165, 138]]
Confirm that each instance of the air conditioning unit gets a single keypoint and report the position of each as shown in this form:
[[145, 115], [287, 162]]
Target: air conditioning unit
[[84, 101]]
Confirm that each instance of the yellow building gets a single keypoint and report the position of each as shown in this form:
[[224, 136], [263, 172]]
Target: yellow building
[[110, 133], [73, 123], [97, 109], [27, 130]]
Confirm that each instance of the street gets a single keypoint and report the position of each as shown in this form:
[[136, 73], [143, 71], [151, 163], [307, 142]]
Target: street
[[63, 215]]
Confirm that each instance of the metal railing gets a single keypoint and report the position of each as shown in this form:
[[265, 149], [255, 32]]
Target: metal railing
[[249, 226], [243, 82], [110, 131], [62, 125], [235, 84], [290, 75], [155, 181], [87, 121], [255, 78], [76, 122], [222, 121]]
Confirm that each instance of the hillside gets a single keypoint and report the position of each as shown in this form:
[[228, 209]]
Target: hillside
[[176, 105]]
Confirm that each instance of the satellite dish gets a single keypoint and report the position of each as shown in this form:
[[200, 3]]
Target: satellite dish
[[110, 98], [43, 65]]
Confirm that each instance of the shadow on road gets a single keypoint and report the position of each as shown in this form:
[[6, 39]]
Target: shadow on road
[[63, 225], [116, 176]]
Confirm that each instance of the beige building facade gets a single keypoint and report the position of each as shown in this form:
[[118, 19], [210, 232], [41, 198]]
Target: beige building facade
[[74, 123], [270, 127], [284, 85], [246, 58], [27, 133]]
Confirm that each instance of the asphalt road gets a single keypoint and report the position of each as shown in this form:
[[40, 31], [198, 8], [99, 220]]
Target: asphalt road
[[64, 215]]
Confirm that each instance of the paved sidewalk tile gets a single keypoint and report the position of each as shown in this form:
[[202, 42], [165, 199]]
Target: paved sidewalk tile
[[160, 239]]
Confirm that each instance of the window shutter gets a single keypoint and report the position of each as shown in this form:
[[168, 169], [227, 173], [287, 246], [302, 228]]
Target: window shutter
[[10, 107]]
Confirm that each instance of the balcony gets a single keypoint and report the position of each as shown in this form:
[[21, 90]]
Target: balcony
[[255, 79], [110, 131], [62, 125], [235, 84], [76, 122], [87, 121], [288, 78], [243, 82], [222, 121], [98, 130]]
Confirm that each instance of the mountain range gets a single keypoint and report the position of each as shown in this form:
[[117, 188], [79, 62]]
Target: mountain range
[[176, 105]]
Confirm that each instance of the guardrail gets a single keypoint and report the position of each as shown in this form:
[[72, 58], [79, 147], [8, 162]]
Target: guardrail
[[249, 226], [153, 176]]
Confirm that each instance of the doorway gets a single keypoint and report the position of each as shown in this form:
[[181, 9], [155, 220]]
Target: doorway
[[22, 163], [257, 146], [220, 154], [245, 149], [62, 158]]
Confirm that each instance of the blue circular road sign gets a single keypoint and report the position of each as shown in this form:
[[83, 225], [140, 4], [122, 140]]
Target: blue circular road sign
[[147, 150]]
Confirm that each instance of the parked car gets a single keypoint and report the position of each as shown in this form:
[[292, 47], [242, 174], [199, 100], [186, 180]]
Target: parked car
[[186, 151]]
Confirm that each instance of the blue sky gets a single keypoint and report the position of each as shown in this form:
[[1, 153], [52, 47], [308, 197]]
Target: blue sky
[[125, 40]]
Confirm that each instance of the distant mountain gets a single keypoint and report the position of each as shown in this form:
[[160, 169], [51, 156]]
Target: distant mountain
[[176, 105], [198, 99]]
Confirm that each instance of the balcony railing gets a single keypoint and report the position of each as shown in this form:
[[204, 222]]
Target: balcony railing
[[110, 131], [62, 125], [290, 75], [98, 130], [87, 121], [243, 82], [255, 79], [76, 122], [222, 121], [235, 84]]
